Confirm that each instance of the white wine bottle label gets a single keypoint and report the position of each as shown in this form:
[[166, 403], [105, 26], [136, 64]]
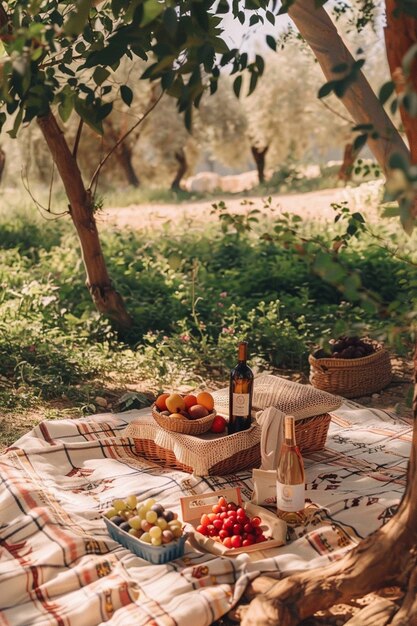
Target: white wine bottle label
[[241, 404], [290, 497]]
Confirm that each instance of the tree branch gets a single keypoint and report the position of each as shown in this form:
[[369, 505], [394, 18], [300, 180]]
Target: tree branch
[[122, 138], [77, 138]]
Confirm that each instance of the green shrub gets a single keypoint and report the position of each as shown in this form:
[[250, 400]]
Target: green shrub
[[192, 295]]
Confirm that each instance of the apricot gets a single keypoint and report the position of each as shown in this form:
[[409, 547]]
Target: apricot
[[206, 399], [197, 411], [160, 401], [190, 400], [175, 403]]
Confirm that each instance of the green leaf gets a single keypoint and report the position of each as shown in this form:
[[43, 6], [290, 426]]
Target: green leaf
[[409, 102], [126, 94], [340, 68], [66, 104], [253, 82], [398, 162], [237, 86], [326, 267], [170, 21], [326, 89], [17, 122], [391, 211], [406, 217], [77, 19], [151, 10], [271, 42], [100, 74], [360, 141], [260, 64], [270, 17], [408, 59], [89, 115], [386, 91]]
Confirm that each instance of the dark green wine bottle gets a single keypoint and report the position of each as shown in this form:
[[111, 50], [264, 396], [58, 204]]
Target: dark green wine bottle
[[240, 393]]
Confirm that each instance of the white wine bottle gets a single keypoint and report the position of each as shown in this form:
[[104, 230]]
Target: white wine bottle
[[290, 477], [240, 393]]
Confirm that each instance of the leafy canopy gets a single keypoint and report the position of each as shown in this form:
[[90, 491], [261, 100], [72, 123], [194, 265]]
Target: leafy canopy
[[67, 53]]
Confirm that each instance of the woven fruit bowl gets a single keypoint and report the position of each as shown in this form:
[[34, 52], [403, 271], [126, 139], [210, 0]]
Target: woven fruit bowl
[[185, 414], [350, 375], [183, 425]]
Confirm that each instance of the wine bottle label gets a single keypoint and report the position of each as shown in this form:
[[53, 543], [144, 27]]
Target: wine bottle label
[[290, 497], [241, 404]]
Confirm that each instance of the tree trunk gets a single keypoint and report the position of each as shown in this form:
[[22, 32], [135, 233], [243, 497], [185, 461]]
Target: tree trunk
[[400, 36], [107, 300], [259, 158], [182, 168], [2, 162], [388, 556], [320, 33], [349, 157], [124, 155]]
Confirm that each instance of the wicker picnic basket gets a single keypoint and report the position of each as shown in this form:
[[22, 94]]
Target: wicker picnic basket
[[184, 426], [352, 378], [208, 454]]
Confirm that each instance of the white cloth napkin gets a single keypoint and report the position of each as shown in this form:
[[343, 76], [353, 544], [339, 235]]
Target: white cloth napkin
[[272, 422]]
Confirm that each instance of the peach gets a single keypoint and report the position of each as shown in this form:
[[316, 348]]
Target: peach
[[206, 399], [160, 401], [177, 416], [175, 403], [190, 400], [197, 411]]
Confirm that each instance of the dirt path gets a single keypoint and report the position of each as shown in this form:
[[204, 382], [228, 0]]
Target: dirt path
[[314, 205]]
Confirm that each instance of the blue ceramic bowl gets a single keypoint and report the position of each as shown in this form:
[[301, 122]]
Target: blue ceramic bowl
[[154, 554]]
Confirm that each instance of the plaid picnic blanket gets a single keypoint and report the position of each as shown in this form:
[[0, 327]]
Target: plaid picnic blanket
[[59, 567]]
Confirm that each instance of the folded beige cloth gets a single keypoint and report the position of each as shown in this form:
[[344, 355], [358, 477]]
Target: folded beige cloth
[[273, 398]]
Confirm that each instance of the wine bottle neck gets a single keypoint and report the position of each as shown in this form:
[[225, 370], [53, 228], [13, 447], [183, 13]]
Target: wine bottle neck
[[243, 352], [289, 430]]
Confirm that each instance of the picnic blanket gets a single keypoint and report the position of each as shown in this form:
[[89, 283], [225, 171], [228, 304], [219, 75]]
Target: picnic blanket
[[59, 567]]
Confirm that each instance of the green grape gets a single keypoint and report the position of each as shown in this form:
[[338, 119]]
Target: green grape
[[146, 538], [162, 523], [177, 531], [148, 503], [136, 533], [174, 524], [155, 531], [131, 501], [142, 512], [119, 504], [110, 513], [156, 541], [135, 522], [151, 517]]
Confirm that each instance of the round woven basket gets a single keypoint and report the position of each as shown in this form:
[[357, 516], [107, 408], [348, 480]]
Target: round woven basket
[[352, 378], [184, 426]]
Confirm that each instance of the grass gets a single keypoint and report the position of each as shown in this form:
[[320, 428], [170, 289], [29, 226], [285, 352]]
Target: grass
[[193, 295]]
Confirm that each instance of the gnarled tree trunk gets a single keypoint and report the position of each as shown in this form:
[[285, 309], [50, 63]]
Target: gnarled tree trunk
[[259, 158], [182, 168], [107, 300]]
